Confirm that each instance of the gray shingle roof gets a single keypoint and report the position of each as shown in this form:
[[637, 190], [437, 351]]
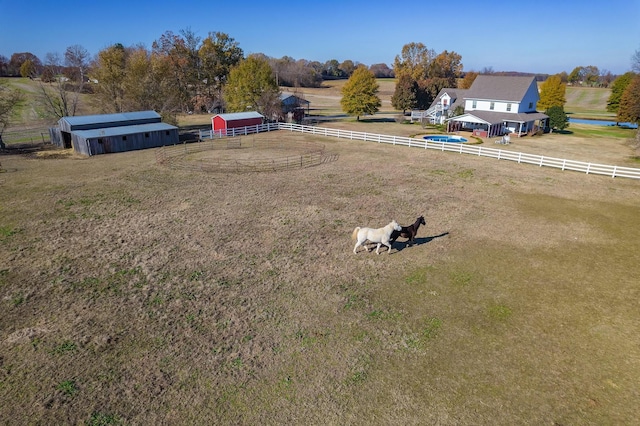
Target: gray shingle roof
[[499, 88]]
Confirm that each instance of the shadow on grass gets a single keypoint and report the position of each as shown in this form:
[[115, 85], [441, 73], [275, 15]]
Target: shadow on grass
[[401, 245], [378, 120]]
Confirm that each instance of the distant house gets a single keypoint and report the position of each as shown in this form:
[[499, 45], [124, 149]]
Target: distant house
[[110, 133], [232, 120], [442, 106], [494, 105], [291, 102]]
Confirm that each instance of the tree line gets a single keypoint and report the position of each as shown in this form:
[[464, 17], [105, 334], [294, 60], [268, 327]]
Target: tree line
[[184, 73]]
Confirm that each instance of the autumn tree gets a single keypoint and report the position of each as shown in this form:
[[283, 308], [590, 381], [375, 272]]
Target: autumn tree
[[17, 59], [446, 65], [347, 67], [552, 93], [629, 109], [467, 80], [360, 93], [180, 59], [10, 100], [381, 71], [414, 60], [109, 70], [300, 73], [252, 87], [404, 96], [557, 117], [332, 69], [617, 89], [218, 53]]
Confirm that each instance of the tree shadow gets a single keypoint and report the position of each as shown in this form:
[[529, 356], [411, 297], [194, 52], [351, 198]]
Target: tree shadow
[[417, 241]]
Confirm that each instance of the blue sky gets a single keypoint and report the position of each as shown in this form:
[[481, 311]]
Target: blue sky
[[540, 36]]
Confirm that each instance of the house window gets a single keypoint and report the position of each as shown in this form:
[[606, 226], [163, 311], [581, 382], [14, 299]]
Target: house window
[[146, 135], [166, 133], [508, 107], [475, 104], [492, 105], [530, 105], [124, 138]]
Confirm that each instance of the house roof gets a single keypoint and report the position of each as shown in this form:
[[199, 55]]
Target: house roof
[[500, 88], [82, 120], [492, 117], [239, 115], [456, 94], [123, 130], [286, 95]]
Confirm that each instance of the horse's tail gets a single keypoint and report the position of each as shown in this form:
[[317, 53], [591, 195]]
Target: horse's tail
[[354, 235]]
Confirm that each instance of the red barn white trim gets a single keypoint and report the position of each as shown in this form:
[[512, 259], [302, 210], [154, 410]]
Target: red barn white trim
[[236, 119]]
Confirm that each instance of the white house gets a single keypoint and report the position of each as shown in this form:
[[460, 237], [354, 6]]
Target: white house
[[493, 106]]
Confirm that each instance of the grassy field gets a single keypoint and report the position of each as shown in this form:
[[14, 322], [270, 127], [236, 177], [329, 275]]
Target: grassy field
[[131, 293]]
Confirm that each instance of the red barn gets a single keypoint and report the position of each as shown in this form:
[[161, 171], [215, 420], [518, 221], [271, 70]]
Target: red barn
[[236, 119]]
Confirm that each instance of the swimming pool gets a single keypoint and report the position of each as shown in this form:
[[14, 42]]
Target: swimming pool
[[445, 138]]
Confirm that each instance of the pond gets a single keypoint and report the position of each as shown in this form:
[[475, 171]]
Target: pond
[[602, 123]]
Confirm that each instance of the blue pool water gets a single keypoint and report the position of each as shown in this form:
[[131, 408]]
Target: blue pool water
[[445, 138]]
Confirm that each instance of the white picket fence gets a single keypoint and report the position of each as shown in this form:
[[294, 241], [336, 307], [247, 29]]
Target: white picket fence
[[481, 151]]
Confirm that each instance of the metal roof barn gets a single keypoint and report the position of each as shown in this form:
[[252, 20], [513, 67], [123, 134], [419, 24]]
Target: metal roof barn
[[109, 133], [236, 119], [125, 138], [87, 122]]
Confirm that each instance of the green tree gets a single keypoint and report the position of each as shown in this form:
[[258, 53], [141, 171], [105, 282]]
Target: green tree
[[252, 87], [360, 93], [28, 69], [557, 118], [404, 96], [629, 110], [617, 89], [552, 93], [10, 100], [576, 76], [591, 75]]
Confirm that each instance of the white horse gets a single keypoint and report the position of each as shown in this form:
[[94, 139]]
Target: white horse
[[380, 236]]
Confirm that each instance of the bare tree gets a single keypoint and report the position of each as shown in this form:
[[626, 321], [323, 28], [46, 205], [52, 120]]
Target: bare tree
[[635, 61], [77, 58], [58, 94]]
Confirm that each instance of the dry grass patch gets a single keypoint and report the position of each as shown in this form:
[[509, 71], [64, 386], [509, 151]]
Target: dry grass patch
[[135, 293]]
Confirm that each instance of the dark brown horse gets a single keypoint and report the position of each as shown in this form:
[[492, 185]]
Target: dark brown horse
[[408, 232]]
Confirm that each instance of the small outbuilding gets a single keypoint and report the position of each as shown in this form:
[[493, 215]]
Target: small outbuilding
[[291, 102], [236, 119], [110, 133]]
